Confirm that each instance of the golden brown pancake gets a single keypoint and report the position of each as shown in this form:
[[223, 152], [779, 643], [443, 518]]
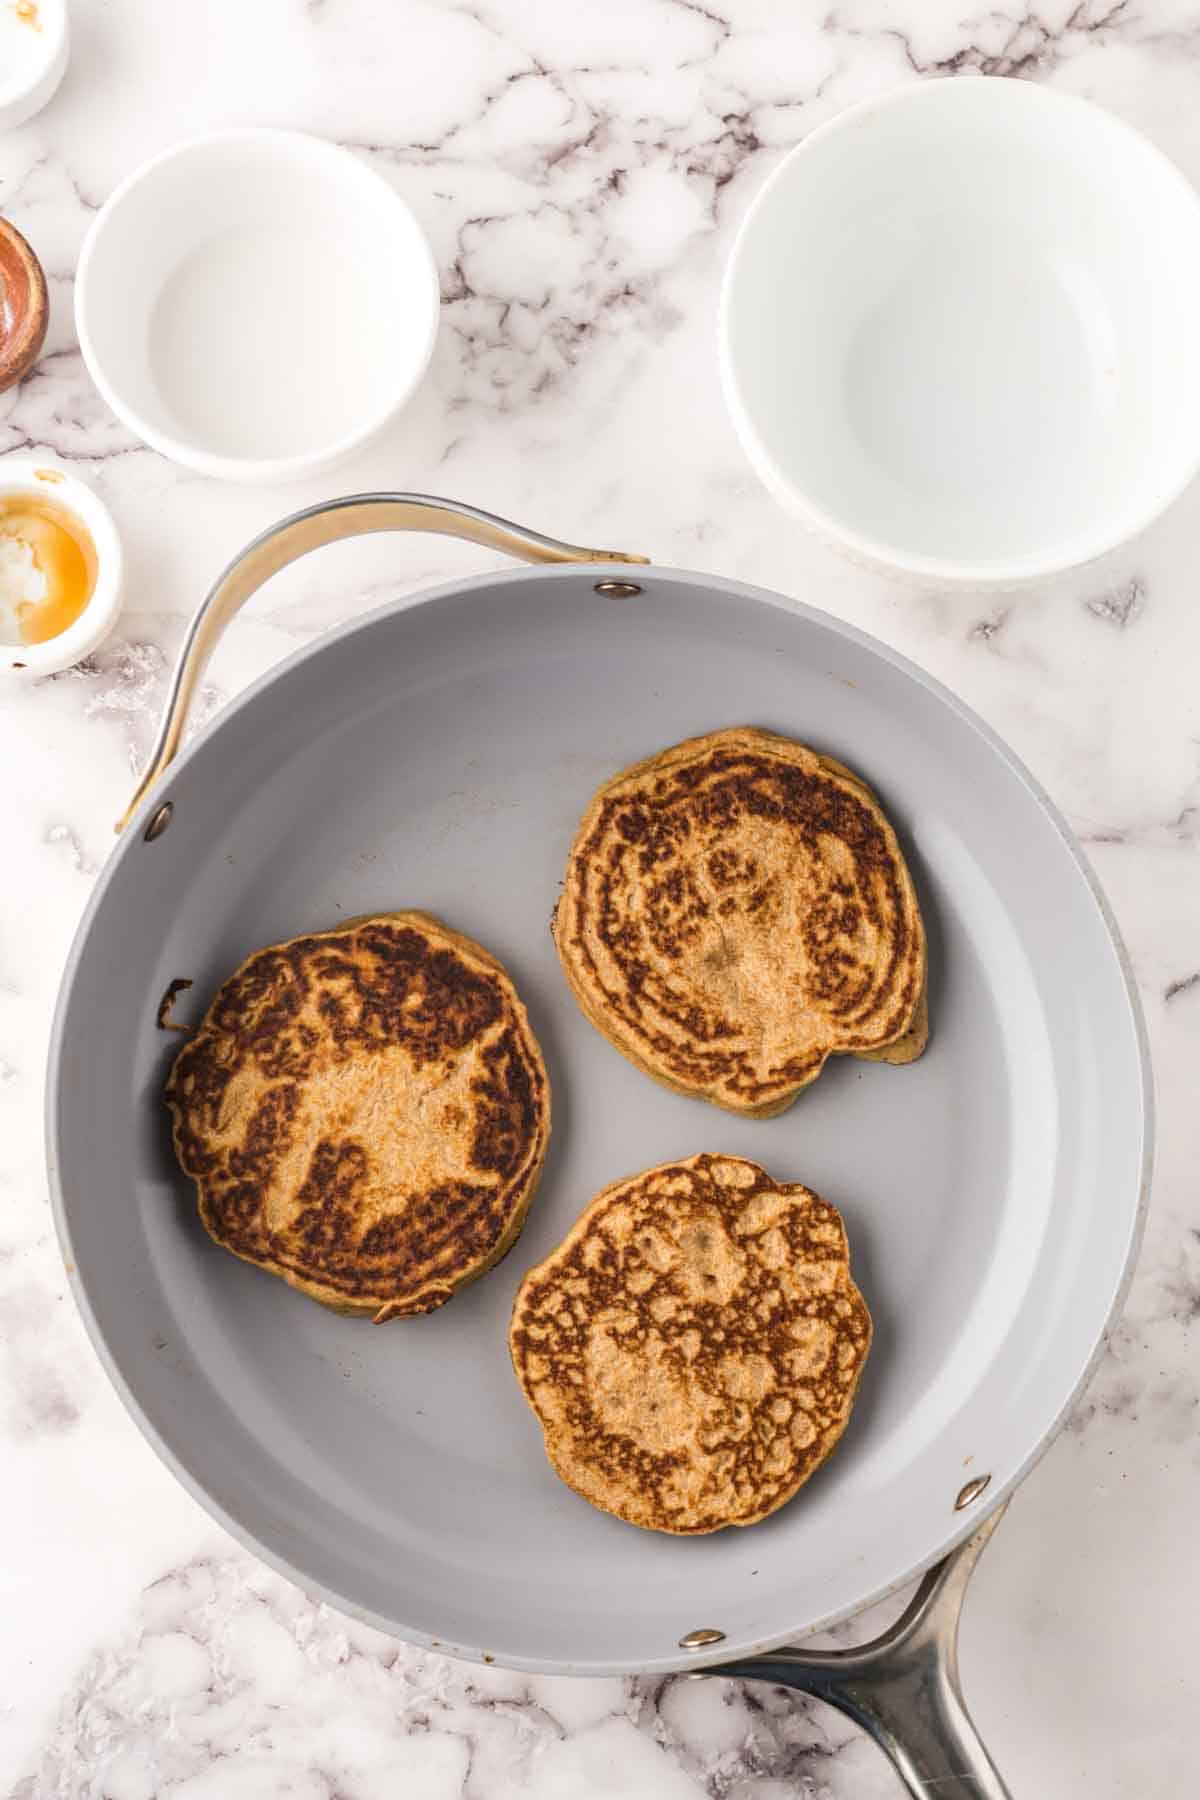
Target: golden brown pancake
[[693, 1346], [365, 1113], [736, 910]]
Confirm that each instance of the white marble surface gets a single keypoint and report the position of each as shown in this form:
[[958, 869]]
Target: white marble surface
[[580, 171]]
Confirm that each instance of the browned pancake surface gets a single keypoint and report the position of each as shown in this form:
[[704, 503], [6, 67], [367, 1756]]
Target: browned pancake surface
[[365, 1113], [737, 909], [693, 1347]]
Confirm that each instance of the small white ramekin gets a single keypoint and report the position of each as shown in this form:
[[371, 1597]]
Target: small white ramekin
[[958, 332], [29, 80], [256, 304], [48, 482]]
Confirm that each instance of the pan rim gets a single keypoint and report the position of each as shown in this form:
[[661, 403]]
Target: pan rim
[[974, 1516]]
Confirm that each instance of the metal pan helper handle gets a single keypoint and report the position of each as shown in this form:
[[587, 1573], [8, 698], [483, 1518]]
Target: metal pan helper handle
[[308, 530], [903, 1688]]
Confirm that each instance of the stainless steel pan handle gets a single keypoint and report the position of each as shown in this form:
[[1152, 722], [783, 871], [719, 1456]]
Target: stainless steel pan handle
[[903, 1687], [308, 530]]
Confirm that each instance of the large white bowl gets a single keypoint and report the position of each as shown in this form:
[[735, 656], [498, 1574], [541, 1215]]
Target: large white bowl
[[256, 304], [959, 331]]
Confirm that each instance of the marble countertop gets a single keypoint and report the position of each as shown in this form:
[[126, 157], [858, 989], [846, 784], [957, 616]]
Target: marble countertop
[[580, 171]]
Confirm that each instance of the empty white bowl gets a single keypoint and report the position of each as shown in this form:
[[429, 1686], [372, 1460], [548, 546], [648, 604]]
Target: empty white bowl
[[256, 304], [958, 331]]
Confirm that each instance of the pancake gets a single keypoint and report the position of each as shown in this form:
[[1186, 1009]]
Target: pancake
[[735, 911], [693, 1346], [365, 1113]]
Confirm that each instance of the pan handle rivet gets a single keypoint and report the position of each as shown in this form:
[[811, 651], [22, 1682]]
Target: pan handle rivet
[[971, 1492], [617, 590], [158, 824], [700, 1640]]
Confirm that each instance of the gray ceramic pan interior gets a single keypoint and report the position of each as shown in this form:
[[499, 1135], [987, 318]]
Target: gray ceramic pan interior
[[439, 756]]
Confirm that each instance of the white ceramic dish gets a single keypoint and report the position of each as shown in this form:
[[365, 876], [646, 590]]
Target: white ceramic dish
[[34, 50], [256, 304], [958, 332], [45, 481]]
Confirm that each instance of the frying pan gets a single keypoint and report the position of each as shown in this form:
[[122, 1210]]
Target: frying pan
[[438, 754]]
